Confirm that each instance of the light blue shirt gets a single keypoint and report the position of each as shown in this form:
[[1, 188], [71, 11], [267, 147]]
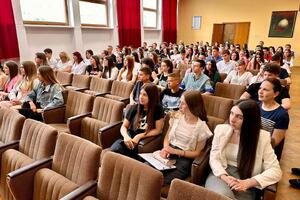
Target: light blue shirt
[[202, 83], [47, 96]]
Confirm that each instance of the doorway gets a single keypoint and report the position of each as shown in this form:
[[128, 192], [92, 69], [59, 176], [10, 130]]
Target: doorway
[[234, 33]]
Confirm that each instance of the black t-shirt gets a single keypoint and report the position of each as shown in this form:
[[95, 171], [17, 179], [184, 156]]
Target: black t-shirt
[[283, 74], [253, 91], [162, 80], [158, 114]]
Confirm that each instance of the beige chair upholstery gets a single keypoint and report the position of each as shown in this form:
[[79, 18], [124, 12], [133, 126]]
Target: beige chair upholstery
[[99, 86], [64, 78], [105, 112], [230, 91], [120, 91], [75, 162], [64, 118], [217, 109], [254, 72], [80, 82], [37, 141], [122, 178], [11, 124], [180, 190]]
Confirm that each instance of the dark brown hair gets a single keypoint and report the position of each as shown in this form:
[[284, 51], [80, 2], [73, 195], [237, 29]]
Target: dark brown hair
[[248, 137], [193, 99], [153, 96], [13, 69]]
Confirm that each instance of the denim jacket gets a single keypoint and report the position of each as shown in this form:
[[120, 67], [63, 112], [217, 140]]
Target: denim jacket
[[47, 96]]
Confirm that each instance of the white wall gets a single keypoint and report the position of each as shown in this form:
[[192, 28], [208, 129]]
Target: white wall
[[35, 38]]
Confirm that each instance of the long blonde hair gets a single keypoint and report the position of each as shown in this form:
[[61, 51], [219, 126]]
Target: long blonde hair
[[30, 73]]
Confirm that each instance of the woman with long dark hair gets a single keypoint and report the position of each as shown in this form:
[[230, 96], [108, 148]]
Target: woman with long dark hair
[[109, 69], [95, 68], [211, 71], [78, 65], [142, 120], [11, 69], [186, 136], [242, 157]]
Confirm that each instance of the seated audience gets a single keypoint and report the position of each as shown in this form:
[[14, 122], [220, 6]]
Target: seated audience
[[241, 156], [137, 62], [110, 71], [212, 72], [50, 60], [40, 59], [226, 65], [110, 53], [186, 136], [94, 69], [287, 60], [142, 120], [127, 73], [120, 61], [64, 64], [165, 69], [215, 55], [283, 74], [271, 70], [275, 119], [11, 70], [143, 78], [170, 97], [197, 80], [23, 86], [259, 77], [239, 76], [46, 94]]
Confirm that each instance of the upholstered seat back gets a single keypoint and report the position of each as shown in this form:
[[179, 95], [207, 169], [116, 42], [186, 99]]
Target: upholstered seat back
[[184, 190], [100, 85], [78, 103], [76, 159], [64, 78], [217, 106], [107, 110], [81, 81], [37, 140], [231, 91], [124, 178], [11, 124], [121, 89], [90, 129]]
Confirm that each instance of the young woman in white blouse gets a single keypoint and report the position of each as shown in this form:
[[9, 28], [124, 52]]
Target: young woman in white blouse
[[64, 64], [186, 136], [239, 76], [242, 157], [78, 65]]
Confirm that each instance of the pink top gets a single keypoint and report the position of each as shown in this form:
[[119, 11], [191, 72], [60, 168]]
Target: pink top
[[9, 85]]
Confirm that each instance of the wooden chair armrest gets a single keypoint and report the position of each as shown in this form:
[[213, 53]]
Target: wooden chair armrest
[[87, 189], [81, 89], [20, 182], [109, 134], [54, 115], [150, 144], [100, 94], [74, 123], [125, 100], [269, 193]]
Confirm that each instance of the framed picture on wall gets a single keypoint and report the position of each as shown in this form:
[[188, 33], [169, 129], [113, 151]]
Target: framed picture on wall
[[282, 24], [196, 23]]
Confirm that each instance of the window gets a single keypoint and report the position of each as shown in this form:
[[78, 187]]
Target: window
[[150, 8], [44, 12], [93, 12]]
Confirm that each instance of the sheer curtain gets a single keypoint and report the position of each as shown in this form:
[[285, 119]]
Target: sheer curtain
[[129, 22], [169, 20], [8, 36]]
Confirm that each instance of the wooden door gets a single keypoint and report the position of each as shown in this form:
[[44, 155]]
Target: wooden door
[[241, 33], [217, 36], [229, 33]]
